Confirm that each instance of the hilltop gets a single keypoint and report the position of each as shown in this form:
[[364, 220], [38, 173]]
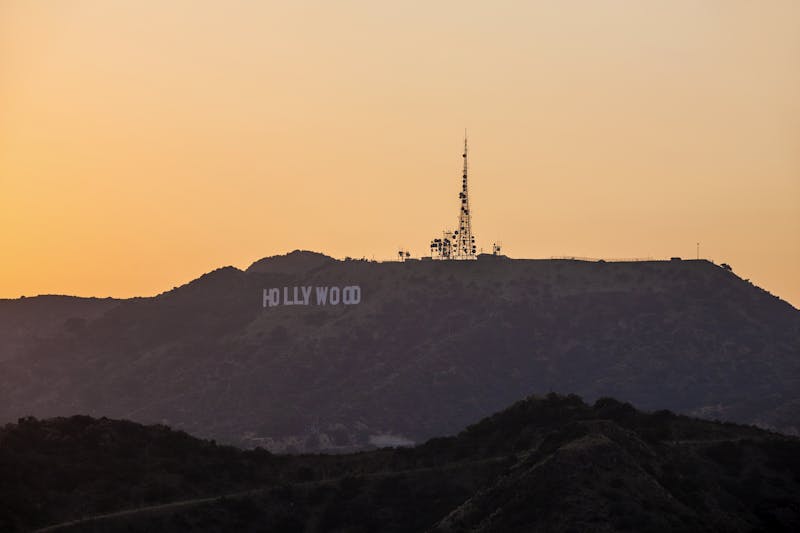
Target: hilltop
[[549, 463], [430, 347]]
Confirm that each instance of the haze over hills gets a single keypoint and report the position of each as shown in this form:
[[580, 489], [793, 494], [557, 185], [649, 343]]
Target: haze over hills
[[26, 320], [431, 347], [549, 463]]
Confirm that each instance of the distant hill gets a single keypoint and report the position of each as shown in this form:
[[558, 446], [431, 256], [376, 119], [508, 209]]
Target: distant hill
[[430, 347], [25, 321], [294, 263], [548, 463]]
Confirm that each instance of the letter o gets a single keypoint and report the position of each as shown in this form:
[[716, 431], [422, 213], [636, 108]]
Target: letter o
[[334, 296], [352, 295]]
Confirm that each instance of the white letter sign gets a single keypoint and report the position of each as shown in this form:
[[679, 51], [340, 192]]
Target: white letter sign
[[311, 295]]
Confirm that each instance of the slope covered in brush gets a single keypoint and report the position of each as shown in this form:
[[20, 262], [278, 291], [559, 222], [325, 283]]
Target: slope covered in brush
[[430, 347], [545, 464]]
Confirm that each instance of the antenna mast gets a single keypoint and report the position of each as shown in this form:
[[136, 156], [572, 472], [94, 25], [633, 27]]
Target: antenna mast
[[464, 240], [458, 244]]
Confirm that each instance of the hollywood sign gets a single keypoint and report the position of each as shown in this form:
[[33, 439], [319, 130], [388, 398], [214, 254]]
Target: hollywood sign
[[309, 295]]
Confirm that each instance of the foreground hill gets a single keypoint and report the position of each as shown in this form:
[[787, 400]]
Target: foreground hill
[[430, 347], [546, 464]]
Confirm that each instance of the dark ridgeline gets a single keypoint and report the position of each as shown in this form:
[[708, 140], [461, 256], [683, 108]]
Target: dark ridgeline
[[431, 347], [548, 463]]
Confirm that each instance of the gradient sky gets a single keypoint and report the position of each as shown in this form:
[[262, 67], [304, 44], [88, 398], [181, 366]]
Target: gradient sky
[[143, 143]]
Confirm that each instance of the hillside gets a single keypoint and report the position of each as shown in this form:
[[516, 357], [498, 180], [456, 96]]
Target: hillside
[[549, 463], [25, 321], [430, 347]]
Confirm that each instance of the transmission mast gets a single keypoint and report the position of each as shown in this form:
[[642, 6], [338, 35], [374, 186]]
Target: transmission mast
[[458, 244], [464, 240]]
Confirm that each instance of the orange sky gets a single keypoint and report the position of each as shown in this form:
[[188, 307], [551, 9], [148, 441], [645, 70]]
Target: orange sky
[[143, 143]]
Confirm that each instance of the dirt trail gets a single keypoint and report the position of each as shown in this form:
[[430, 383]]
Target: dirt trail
[[252, 492]]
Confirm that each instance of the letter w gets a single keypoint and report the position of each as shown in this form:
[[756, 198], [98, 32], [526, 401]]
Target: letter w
[[322, 295]]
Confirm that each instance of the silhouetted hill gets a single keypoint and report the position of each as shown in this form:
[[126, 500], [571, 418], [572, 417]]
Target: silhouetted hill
[[293, 263], [26, 320], [548, 463], [431, 347]]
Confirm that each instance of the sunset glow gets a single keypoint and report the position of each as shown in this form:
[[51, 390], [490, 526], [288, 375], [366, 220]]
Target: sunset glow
[[144, 143]]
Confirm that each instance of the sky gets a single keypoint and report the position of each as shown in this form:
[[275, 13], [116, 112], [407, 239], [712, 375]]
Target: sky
[[144, 143]]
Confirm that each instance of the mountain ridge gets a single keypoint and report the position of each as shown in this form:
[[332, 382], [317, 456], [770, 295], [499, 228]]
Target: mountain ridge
[[431, 346]]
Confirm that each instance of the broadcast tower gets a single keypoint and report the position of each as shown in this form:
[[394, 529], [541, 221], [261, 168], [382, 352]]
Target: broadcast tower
[[464, 241], [459, 244]]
